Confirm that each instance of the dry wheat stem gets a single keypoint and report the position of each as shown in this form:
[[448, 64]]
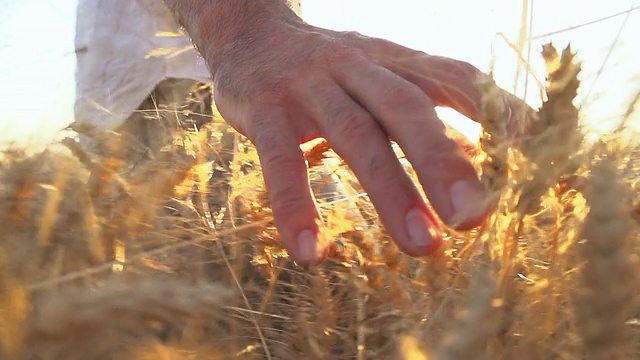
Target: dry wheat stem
[[160, 250], [234, 230], [603, 303]]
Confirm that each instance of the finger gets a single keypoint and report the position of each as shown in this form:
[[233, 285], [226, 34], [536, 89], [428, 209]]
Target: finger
[[449, 82], [285, 174], [409, 117], [454, 84], [360, 141]]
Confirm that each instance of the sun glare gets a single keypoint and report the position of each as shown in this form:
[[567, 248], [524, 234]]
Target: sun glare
[[503, 35], [508, 37], [165, 242]]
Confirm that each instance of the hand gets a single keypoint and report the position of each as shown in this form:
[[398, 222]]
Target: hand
[[291, 82]]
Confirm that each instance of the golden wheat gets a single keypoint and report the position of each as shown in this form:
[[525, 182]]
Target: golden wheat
[[176, 256]]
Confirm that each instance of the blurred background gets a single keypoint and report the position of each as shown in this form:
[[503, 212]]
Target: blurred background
[[37, 57]]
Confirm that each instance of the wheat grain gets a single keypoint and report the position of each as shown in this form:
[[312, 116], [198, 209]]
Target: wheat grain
[[602, 305]]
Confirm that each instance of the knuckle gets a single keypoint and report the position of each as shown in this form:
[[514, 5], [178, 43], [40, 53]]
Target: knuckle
[[385, 180], [466, 68], [260, 133], [462, 69], [270, 92], [418, 53], [439, 156], [403, 96], [286, 200], [349, 123], [282, 164], [272, 150], [453, 67], [384, 175], [283, 159], [278, 156], [343, 52], [353, 37], [352, 34]]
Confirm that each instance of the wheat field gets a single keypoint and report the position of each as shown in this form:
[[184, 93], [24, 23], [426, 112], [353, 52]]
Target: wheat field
[[178, 258]]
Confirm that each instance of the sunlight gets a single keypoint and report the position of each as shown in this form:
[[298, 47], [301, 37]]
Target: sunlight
[[487, 31], [39, 102], [163, 239]]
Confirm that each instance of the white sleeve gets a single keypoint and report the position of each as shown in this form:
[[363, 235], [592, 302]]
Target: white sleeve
[[115, 72]]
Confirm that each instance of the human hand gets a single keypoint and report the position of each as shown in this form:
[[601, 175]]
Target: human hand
[[289, 82]]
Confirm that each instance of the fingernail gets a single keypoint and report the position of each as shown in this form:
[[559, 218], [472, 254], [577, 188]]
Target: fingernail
[[308, 251], [422, 231], [468, 202]]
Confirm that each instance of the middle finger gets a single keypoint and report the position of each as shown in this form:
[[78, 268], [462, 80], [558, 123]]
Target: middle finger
[[360, 141], [408, 116]]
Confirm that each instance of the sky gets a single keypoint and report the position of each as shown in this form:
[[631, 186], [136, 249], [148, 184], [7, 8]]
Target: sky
[[37, 60]]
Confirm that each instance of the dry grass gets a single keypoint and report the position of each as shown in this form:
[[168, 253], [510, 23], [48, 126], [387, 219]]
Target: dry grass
[[171, 262]]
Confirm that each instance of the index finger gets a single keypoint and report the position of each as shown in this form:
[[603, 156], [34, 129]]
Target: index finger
[[448, 82], [454, 84]]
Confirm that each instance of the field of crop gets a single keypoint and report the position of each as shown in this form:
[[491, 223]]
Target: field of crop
[[178, 257]]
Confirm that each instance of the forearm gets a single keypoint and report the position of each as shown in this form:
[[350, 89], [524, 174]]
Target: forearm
[[219, 26]]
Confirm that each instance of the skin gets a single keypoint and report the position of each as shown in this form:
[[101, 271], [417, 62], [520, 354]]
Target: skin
[[282, 82]]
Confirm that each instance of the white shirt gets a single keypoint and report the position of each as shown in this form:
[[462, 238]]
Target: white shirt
[[115, 73]]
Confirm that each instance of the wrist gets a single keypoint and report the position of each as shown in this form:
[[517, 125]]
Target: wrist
[[221, 28]]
